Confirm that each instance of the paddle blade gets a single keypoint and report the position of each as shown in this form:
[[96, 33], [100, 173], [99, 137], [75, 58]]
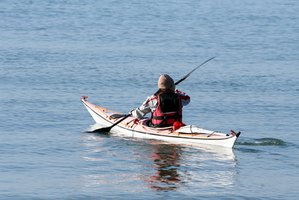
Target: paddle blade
[[107, 129], [104, 130]]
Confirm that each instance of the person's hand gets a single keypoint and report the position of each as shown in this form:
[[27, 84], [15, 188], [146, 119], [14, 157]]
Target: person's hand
[[130, 113], [180, 92]]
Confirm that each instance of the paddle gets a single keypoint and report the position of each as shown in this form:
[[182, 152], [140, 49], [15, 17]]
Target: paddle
[[176, 83], [107, 129]]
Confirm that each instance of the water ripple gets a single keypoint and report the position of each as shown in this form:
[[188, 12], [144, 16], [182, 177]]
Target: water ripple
[[263, 142]]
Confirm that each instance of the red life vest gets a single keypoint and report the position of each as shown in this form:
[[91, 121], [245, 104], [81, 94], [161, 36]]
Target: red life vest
[[168, 110]]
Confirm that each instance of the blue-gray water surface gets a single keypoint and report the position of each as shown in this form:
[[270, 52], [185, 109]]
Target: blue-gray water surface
[[53, 52]]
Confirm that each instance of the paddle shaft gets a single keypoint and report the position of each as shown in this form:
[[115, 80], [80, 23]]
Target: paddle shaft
[[107, 129], [125, 117], [176, 83]]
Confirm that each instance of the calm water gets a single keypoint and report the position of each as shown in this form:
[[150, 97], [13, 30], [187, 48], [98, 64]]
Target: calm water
[[52, 52]]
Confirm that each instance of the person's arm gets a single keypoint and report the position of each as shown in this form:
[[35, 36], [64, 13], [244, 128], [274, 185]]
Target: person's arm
[[185, 99], [147, 106]]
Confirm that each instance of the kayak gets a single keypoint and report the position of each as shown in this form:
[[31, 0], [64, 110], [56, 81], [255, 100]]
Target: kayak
[[133, 127]]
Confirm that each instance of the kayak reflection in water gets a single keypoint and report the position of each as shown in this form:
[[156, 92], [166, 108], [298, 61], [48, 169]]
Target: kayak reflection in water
[[166, 163], [165, 105]]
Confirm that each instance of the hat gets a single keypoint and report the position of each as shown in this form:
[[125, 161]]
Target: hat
[[166, 82]]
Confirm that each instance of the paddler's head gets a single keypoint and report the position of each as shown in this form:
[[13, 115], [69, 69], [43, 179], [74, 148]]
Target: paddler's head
[[165, 82]]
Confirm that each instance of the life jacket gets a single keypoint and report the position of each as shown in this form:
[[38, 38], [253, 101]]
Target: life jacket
[[168, 110]]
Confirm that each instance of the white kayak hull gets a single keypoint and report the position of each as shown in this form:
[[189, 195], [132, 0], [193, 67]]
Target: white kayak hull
[[131, 127]]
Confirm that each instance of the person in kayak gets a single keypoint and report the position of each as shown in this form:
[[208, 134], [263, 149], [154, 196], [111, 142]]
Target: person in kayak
[[165, 105]]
